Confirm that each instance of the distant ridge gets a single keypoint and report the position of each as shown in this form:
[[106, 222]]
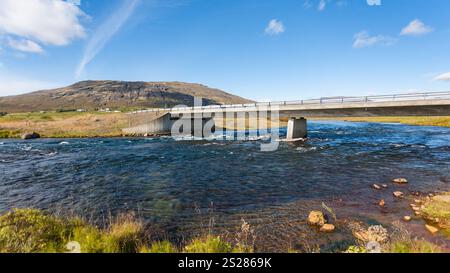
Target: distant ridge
[[94, 95]]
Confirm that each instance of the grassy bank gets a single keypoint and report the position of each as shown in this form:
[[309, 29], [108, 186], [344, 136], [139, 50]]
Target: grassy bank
[[443, 121], [33, 231], [63, 125]]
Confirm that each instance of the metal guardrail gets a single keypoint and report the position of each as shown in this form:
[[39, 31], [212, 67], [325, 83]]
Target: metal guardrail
[[326, 100]]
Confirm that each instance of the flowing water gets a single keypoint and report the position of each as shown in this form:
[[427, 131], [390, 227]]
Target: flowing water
[[169, 183]]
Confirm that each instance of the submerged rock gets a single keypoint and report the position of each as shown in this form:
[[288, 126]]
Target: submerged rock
[[431, 229], [398, 194], [316, 218], [382, 203], [407, 218], [327, 228], [33, 135], [377, 187], [373, 233]]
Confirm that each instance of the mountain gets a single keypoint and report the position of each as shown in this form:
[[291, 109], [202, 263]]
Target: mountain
[[93, 95]]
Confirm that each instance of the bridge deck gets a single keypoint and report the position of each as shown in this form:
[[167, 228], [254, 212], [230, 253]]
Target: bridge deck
[[429, 104]]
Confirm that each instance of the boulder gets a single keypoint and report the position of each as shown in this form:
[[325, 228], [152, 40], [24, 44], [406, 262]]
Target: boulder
[[400, 180], [316, 218], [33, 135], [327, 228]]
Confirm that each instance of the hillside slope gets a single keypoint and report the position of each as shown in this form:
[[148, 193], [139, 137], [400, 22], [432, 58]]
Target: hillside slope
[[93, 95]]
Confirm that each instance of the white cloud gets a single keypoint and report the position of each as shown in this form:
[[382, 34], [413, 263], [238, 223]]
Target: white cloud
[[48, 22], [363, 39], [322, 5], [25, 46], [105, 32], [275, 27], [443, 77], [416, 28]]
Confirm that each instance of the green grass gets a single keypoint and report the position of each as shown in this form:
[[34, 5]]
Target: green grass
[[34, 231], [9, 134], [414, 246], [30, 231], [208, 244], [159, 247]]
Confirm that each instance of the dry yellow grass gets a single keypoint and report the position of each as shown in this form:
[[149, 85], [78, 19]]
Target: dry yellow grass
[[65, 125]]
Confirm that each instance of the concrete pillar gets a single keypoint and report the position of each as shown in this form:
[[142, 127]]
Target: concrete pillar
[[297, 128]]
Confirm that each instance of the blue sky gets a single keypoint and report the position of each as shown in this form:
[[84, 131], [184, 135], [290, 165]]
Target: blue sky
[[258, 49]]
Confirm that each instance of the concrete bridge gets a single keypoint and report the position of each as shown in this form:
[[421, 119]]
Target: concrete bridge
[[297, 112]]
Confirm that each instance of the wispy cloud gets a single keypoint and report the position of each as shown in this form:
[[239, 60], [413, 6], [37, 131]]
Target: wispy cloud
[[25, 45], [275, 27], [443, 77], [416, 28], [105, 32], [322, 5], [363, 39]]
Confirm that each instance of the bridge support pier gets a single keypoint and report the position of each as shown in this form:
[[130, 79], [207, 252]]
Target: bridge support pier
[[297, 129]]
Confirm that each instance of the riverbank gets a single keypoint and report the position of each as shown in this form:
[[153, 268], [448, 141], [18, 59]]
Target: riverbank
[[104, 124], [34, 231], [442, 121], [64, 125]]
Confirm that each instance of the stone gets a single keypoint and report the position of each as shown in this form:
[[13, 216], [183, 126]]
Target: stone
[[316, 218], [384, 186], [431, 229], [407, 218], [400, 180], [327, 228], [382, 203], [375, 186], [373, 233], [398, 194], [29, 136]]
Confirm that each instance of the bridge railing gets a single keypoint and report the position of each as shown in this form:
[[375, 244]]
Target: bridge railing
[[326, 100]]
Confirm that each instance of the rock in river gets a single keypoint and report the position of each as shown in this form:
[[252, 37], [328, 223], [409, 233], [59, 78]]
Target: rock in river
[[431, 229], [375, 186], [33, 135], [316, 218], [373, 233], [398, 194], [407, 218], [400, 180], [327, 228]]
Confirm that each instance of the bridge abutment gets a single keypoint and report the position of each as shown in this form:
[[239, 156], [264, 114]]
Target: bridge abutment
[[297, 129]]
